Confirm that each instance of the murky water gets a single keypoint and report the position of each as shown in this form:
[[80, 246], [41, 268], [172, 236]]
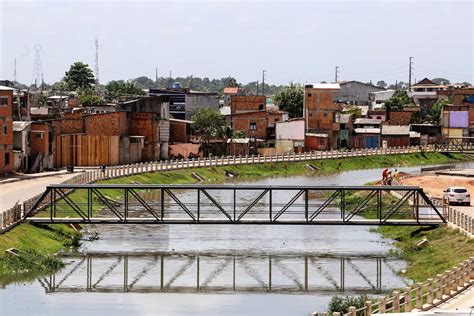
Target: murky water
[[216, 269]]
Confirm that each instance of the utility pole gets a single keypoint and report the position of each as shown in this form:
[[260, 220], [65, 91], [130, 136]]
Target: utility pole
[[257, 87], [96, 68], [336, 74], [14, 70], [263, 82], [410, 73], [171, 80], [156, 77]]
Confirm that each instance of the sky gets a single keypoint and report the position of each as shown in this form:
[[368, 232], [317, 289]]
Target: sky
[[293, 41]]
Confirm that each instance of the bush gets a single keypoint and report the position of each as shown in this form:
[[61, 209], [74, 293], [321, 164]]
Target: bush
[[341, 304]]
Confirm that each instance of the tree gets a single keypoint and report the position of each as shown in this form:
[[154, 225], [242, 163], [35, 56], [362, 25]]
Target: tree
[[398, 101], [231, 82], [209, 124], [441, 81], [117, 90], [381, 84], [79, 76], [144, 82], [437, 109], [290, 99], [89, 97], [341, 304]]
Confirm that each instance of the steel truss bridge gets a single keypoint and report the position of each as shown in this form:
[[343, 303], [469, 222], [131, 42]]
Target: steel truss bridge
[[195, 273], [464, 145], [234, 204]]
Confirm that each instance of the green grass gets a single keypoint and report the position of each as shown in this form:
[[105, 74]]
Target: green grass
[[36, 245], [446, 248]]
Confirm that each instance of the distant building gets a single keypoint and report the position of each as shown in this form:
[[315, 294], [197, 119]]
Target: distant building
[[424, 94], [377, 99], [6, 129], [366, 133], [320, 111], [182, 102], [355, 92], [21, 145]]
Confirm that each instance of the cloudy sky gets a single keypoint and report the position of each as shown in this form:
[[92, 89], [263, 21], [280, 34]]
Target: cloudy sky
[[292, 41]]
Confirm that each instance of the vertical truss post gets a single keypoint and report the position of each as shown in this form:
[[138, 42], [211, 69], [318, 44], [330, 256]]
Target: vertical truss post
[[233, 273], [235, 202], [343, 205], [379, 205], [162, 199], [51, 204], [198, 204], [306, 196], [89, 204], [89, 273], [416, 198], [342, 274], [162, 272], [125, 204], [53, 196], [270, 204]]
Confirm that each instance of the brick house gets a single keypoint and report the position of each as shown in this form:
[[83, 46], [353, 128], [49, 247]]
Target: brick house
[[42, 146], [320, 111], [6, 129]]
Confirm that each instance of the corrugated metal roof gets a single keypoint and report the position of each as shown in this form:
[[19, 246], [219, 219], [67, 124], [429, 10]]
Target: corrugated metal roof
[[231, 90], [329, 86], [316, 135], [395, 130], [6, 88], [367, 130], [368, 121]]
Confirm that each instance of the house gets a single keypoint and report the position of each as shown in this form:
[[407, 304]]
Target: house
[[320, 112], [395, 135], [366, 133], [21, 145], [246, 103], [316, 141], [377, 99], [424, 94], [465, 97], [6, 129], [258, 124], [355, 92], [42, 147], [290, 135], [455, 121], [377, 114], [406, 116], [228, 93], [346, 127], [182, 102], [429, 133]]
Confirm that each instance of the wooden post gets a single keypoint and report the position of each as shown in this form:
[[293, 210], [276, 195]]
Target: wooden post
[[407, 298], [382, 305], [368, 308], [447, 283], [439, 288], [396, 301], [419, 297], [352, 311], [430, 292]]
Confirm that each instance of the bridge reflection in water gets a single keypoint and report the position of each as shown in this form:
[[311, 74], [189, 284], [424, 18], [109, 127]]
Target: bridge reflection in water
[[205, 273]]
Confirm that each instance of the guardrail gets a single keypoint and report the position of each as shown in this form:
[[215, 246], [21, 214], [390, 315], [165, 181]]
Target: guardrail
[[13, 216], [420, 296]]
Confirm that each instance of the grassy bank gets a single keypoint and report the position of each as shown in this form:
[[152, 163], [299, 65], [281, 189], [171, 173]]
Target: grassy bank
[[36, 246], [39, 244], [446, 248]]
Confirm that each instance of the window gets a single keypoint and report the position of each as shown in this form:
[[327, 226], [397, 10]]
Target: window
[[260, 107], [5, 129], [309, 94], [379, 117], [253, 126], [3, 101], [7, 159], [325, 114], [39, 135]]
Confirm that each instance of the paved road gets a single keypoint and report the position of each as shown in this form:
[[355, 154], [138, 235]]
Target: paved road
[[19, 191]]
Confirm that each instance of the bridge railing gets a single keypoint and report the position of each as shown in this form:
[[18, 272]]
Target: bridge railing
[[12, 216], [421, 296]]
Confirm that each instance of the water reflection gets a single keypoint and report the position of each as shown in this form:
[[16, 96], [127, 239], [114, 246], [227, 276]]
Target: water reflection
[[164, 272]]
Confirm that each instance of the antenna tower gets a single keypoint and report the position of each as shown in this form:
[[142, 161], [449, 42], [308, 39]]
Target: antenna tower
[[37, 68], [96, 68], [14, 70]]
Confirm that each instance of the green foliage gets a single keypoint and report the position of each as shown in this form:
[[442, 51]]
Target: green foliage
[[209, 124], [437, 110], [290, 99], [354, 110], [89, 97], [341, 304], [119, 90], [238, 134], [79, 76], [381, 84], [398, 101]]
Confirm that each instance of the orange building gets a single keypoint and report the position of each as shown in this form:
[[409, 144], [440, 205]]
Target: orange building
[[320, 111], [6, 129]]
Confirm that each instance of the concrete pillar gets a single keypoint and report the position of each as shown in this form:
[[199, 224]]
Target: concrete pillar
[[447, 283], [382, 305], [407, 299], [439, 287], [396, 301], [430, 292], [419, 297]]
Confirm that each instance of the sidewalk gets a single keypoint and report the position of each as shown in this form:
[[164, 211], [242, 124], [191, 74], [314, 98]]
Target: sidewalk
[[18, 189], [14, 178]]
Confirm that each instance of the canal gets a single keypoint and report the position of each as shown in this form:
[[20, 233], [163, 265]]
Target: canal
[[216, 269]]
